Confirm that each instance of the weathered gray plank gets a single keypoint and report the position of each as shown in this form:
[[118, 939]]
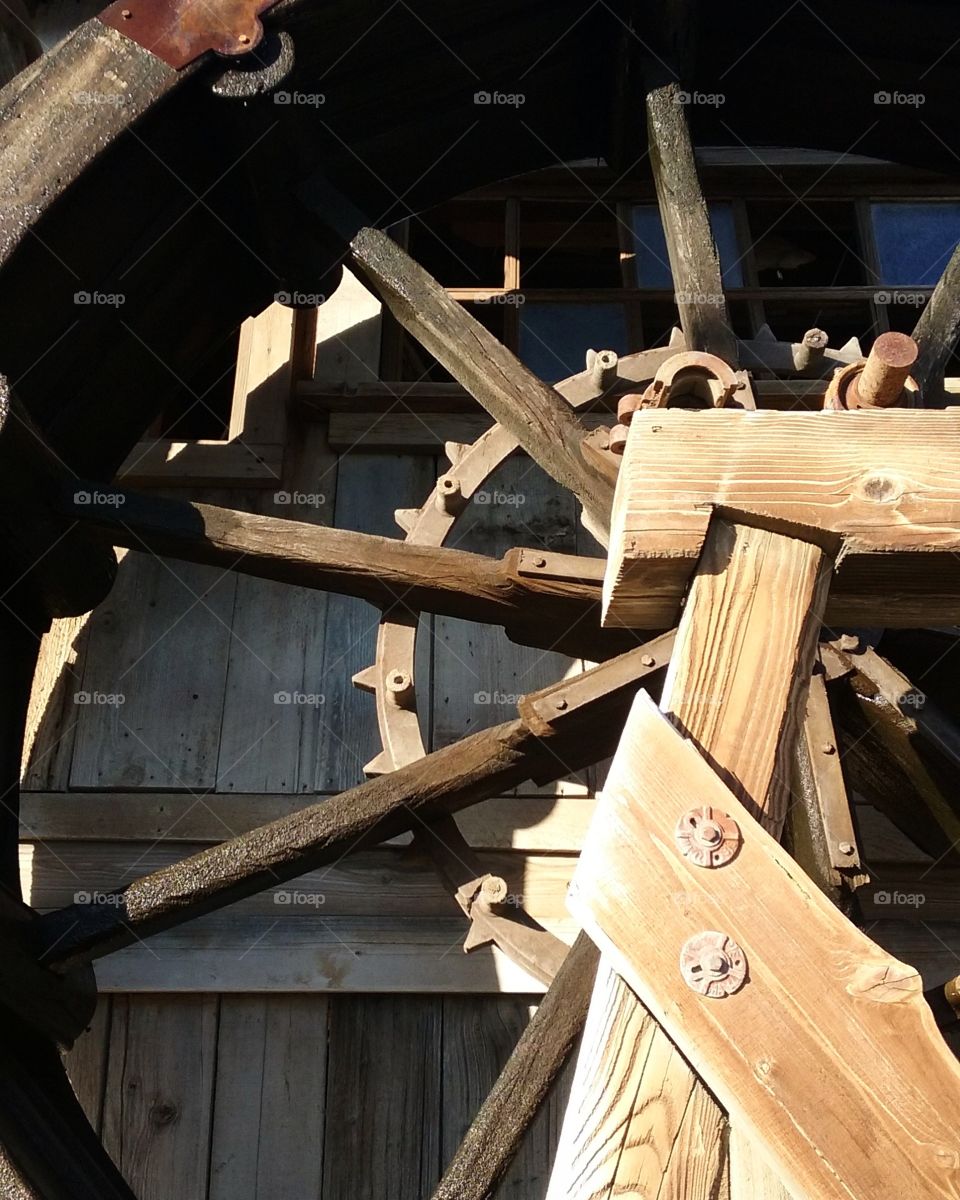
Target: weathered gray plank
[[384, 1069], [270, 1096], [159, 1093]]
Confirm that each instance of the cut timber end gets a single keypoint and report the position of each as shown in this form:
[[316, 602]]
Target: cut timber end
[[883, 486], [828, 1051]]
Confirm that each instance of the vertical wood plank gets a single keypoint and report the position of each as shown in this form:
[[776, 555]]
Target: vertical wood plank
[[270, 1091], [382, 1128], [86, 1063], [160, 640], [52, 716], [159, 1093], [348, 736]]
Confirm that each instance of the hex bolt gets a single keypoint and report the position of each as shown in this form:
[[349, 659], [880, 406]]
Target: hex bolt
[[887, 368], [399, 688], [449, 495]]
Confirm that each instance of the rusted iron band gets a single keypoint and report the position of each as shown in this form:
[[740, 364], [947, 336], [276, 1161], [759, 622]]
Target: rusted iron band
[[179, 31]]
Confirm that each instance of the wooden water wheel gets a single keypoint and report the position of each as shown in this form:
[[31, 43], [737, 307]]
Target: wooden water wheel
[[748, 572]]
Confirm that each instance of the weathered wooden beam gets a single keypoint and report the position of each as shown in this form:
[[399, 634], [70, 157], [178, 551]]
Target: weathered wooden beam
[[694, 262], [540, 419], [822, 1055], [937, 330], [537, 608], [735, 686], [879, 487], [822, 836], [66, 570], [480, 766], [530, 1072]]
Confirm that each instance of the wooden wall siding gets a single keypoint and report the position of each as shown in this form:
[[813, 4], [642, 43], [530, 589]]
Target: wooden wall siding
[[300, 1097]]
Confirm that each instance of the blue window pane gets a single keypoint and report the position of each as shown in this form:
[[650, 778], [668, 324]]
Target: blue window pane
[[653, 263], [914, 241], [555, 338]]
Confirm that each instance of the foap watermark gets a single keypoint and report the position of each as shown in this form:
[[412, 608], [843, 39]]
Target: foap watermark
[[104, 899], [300, 299], [900, 99], [706, 99], [102, 99], [307, 699], [98, 499], [912, 699], [900, 299], [900, 899], [500, 99], [714, 299], [300, 99], [300, 899], [506, 699], [100, 299], [300, 499], [495, 499], [517, 299], [107, 699]]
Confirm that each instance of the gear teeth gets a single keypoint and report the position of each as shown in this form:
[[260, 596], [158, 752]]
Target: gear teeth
[[406, 518], [366, 680], [677, 340], [765, 334], [455, 451], [381, 765], [853, 346]]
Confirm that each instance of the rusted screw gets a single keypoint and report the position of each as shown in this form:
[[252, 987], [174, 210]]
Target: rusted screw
[[244, 39], [828, 748], [647, 660], [887, 367], [845, 847], [126, 13]]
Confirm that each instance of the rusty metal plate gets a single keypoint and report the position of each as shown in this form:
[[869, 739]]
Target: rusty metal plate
[[179, 31]]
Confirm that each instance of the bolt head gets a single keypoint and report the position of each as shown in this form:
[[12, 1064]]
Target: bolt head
[[560, 703], [846, 847], [648, 660], [539, 562], [828, 748]]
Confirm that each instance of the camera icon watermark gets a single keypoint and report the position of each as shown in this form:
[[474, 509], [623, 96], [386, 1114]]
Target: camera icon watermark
[[500, 699], [102, 899], [899, 899], [300, 499], [900, 298], [704, 99], [509, 499], [300, 899], [300, 299], [100, 499], [100, 699]]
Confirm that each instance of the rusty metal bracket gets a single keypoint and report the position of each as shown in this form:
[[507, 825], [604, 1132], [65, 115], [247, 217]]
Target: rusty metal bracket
[[179, 31], [494, 915]]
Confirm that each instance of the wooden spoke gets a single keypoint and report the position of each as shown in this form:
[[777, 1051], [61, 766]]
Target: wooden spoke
[[937, 331], [485, 764], [538, 608], [694, 262], [539, 418]]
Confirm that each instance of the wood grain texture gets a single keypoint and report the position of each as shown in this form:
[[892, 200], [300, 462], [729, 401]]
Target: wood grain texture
[[880, 486], [384, 1070], [738, 701], [270, 1098], [159, 1093], [856, 1017], [541, 420]]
